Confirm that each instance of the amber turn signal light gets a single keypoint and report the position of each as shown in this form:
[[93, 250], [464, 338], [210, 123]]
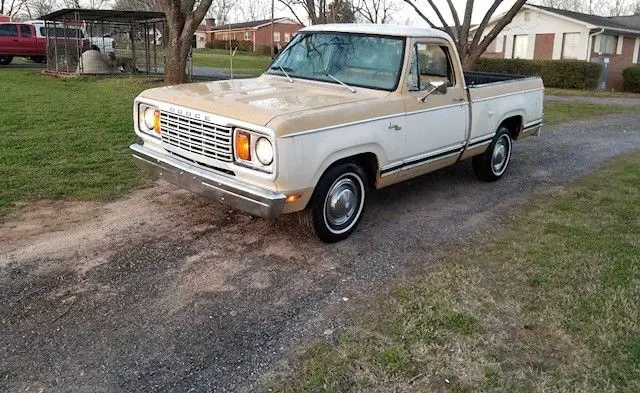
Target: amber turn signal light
[[292, 198], [243, 150], [156, 121]]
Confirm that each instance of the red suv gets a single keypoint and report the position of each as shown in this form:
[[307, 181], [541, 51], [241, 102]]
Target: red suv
[[19, 39]]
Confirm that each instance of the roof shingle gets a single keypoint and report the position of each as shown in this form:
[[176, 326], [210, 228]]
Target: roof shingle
[[250, 24]]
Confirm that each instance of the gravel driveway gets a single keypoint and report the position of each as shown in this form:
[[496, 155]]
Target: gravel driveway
[[164, 290]]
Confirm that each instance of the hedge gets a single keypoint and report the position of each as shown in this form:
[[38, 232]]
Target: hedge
[[245, 46], [564, 74], [631, 79]]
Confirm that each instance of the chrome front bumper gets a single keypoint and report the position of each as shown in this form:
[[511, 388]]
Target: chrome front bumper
[[223, 188]]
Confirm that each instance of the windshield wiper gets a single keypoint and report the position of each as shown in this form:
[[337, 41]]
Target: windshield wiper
[[351, 89], [281, 68]]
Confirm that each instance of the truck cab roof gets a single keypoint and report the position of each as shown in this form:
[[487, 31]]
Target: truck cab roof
[[377, 29]]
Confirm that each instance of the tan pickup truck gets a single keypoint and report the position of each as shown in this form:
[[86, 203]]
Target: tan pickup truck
[[344, 109]]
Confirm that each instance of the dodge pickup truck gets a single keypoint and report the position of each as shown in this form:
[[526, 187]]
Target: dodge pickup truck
[[345, 108]]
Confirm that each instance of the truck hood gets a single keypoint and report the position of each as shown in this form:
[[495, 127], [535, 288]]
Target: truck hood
[[258, 100]]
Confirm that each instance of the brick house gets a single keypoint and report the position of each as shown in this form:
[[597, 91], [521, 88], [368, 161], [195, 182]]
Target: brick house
[[257, 31], [545, 33], [4, 18]]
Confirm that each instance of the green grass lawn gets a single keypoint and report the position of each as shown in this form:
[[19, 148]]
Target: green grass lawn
[[589, 93], [66, 138], [243, 63], [562, 112], [550, 304]]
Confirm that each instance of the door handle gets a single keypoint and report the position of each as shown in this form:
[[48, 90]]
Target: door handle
[[394, 127], [458, 99]]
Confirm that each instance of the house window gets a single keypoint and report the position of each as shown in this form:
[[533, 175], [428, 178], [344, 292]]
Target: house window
[[570, 43], [496, 46], [246, 36], [527, 16], [276, 36], [520, 46], [608, 44], [287, 37]]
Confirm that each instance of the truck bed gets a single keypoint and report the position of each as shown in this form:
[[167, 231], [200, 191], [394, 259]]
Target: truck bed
[[496, 97], [473, 78]]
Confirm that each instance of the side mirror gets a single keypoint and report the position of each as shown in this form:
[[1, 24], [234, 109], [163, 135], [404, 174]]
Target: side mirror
[[435, 87], [440, 87]]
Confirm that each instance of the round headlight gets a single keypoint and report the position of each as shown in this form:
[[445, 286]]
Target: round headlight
[[264, 151], [148, 116]]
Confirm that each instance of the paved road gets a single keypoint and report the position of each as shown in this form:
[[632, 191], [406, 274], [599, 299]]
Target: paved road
[[595, 100], [165, 291]]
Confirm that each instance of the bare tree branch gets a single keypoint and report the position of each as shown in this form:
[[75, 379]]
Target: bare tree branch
[[445, 25], [295, 15], [493, 33], [483, 24], [420, 13]]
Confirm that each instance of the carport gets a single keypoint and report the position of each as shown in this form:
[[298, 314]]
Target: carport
[[107, 42]]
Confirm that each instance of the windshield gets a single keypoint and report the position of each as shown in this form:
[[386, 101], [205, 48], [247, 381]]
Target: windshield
[[356, 60]]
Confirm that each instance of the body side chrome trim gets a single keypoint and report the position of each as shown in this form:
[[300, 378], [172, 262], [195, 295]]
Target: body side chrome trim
[[504, 95], [534, 123], [353, 123], [421, 159], [482, 138], [426, 161]]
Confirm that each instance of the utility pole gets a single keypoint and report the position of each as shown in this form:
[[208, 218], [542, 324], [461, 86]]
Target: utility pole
[[273, 5]]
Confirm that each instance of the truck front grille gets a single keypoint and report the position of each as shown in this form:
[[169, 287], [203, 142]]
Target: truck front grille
[[197, 136]]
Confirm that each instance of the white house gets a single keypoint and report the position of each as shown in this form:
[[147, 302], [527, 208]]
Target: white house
[[545, 33]]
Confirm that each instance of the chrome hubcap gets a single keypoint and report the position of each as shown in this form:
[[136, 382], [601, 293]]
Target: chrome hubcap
[[342, 201], [500, 156]]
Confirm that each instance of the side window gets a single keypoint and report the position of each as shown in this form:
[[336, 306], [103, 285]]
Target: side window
[[8, 30], [25, 31], [430, 63]]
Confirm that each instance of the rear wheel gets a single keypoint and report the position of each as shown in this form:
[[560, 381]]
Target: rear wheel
[[493, 163], [337, 203], [5, 59]]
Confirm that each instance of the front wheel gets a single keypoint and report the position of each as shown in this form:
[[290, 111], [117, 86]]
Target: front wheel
[[493, 163], [5, 59], [337, 203]]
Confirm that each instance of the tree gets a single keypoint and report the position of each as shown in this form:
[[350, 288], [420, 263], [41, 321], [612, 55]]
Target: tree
[[375, 11], [322, 11], [137, 5], [11, 7], [220, 10], [254, 9], [470, 47], [316, 11], [37, 8], [183, 18], [340, 11]]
